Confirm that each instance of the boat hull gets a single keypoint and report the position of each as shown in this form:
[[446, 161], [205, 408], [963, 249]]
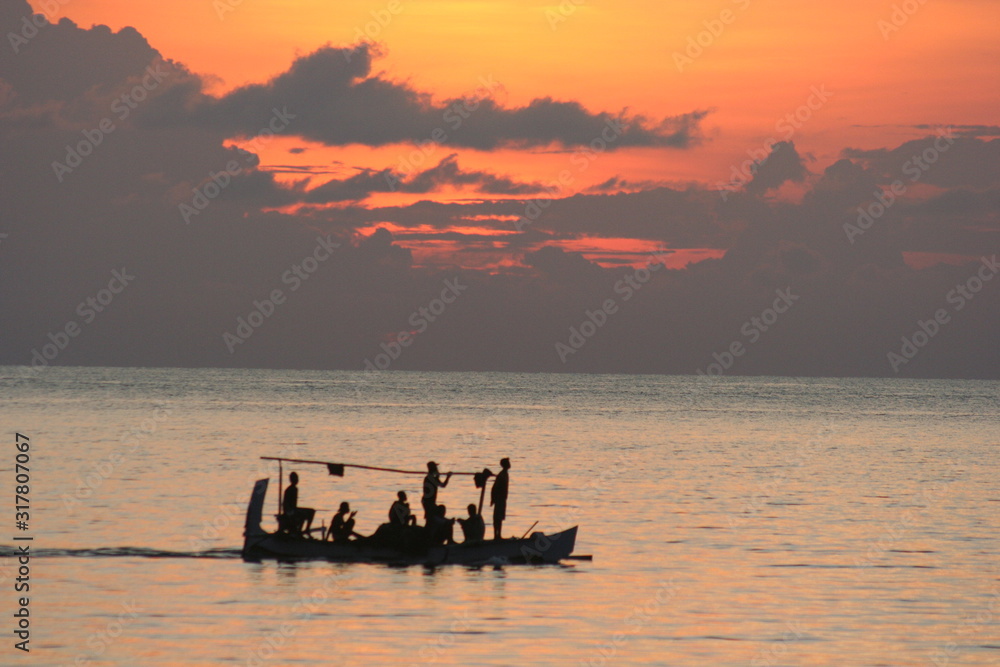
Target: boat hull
[[260, 544]]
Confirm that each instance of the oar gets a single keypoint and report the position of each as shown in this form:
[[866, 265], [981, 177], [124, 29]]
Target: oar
[[529, 530]]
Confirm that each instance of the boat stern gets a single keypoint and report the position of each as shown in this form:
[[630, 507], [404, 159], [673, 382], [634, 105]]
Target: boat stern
[[255, 509]]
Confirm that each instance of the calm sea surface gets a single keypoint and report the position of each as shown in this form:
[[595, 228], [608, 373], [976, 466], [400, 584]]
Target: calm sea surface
[[733, 521]]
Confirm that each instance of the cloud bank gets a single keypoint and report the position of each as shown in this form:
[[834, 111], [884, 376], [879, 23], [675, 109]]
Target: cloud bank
[[104, 139]]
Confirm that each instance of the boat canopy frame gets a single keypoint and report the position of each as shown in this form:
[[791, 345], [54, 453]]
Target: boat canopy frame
[[337, 470]]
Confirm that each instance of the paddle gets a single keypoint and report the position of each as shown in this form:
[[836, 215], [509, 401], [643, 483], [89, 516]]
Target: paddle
[[529, 530]]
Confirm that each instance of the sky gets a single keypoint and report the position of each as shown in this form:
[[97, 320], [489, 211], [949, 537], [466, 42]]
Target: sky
[[738, 187]]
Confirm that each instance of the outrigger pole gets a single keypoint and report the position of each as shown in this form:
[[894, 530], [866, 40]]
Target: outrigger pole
[[337, 469]]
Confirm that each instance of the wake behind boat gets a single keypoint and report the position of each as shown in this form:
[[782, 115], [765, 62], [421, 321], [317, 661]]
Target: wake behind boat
[[284, 544]]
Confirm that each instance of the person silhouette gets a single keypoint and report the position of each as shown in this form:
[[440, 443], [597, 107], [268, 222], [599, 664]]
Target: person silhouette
[[440, 529], [399, 513], [473, 528], [295, 516], [432, 482], [498, 497], [342, 526]]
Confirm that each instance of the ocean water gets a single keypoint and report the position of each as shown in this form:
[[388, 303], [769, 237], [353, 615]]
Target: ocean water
[[732, 521]]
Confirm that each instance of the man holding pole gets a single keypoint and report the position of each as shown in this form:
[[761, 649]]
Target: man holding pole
[[432, 482]]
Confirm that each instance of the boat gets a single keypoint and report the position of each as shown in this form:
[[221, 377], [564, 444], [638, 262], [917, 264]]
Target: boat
[[260, 544]]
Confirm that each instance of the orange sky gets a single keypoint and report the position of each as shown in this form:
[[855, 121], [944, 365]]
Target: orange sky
[[611, 55], [937, 68]]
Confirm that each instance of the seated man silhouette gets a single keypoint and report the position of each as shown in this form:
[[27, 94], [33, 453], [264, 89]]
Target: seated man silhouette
[[293, 517], [440, 530], [399, 513], [473, 528], [342, 526]]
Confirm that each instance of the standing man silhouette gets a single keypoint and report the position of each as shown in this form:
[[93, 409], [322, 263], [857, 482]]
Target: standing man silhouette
[[498, 497]]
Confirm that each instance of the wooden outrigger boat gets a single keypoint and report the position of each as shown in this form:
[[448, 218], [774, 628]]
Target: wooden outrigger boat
[[260, 544]]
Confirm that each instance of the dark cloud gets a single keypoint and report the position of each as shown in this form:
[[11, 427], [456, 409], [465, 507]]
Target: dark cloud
[[960, 222], [967, 130], [353, 188], [342, 294], [680, 218], [446, 172], [337, 101], [33, 45], [563, 266], [781, 165], [945, 159], [618, 184]]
